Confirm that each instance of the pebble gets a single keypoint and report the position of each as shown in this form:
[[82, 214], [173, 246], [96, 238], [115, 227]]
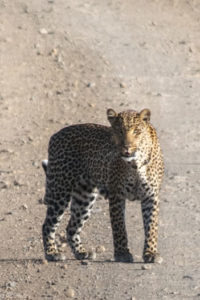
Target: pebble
[[8, 40], [17, 183], [59, 92], [30, 138], [182, 42], [146, 267], [65, 267], [35, 164], [159, 260], [9, 213], [70, 293], [44, 262], [43, 31], [91, 84], [100, 249], [24, 207], [122, 85], [41, 201], [4, 185], [92, 254], [188, 277], [91, 105], [53, 52], [26, 9], [7, 151], [11, 284]]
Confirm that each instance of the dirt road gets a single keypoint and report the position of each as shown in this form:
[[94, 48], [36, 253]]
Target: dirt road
[[64, 62]]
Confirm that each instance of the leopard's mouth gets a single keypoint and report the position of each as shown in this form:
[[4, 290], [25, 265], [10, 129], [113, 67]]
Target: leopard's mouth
[[129, 158]]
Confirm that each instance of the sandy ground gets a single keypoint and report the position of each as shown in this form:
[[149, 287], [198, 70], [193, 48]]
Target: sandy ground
[[64, 62]]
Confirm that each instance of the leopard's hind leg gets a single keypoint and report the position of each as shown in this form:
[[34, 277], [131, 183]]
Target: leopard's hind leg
[[83, 198], [55, 212]]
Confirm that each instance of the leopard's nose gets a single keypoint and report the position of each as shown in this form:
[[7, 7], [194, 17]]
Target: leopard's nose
[[126, 150]]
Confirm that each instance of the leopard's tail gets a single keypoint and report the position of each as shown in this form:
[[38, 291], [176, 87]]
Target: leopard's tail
[[44, 165]]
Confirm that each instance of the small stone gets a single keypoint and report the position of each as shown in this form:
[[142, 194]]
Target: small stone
[[44, 262], [9, 213], [65, 267], [59, 92], [70, 293], [53, 52], [12, 284], [159, 260], [91, 84], [26, 9], [92, 254], [100, 249], [43, 31], [91, 105], [41, 201], [17, 183], [24, 207], [122, 85], [8, 40], [182, 42], [3, 185], [6, 151], [35, 164], [188, 277], [146, 267]]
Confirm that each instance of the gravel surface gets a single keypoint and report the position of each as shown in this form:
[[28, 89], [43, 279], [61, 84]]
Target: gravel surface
[[65, 62]]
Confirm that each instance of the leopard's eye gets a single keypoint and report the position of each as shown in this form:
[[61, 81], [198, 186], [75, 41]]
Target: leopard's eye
[[136, 131]]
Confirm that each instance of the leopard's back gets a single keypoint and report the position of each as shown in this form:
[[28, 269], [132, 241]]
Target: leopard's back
[[81, 150]]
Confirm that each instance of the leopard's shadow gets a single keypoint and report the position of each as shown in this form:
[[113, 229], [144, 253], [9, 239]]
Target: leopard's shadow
[[24, 261]]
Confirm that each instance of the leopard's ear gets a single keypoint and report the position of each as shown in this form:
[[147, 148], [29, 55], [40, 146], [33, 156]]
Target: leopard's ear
[[145, 115], [111, 114]]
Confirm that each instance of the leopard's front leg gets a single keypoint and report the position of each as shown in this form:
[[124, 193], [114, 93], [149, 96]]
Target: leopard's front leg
[[150, 211], [120, 241]]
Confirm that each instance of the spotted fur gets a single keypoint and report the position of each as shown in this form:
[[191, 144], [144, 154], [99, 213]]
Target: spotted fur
[[121, 162]]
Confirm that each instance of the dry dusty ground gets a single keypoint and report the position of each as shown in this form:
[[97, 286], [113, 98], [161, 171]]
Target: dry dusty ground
[[64, 62]]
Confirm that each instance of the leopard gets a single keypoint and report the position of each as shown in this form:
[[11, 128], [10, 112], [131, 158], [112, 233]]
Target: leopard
[[123, 161]]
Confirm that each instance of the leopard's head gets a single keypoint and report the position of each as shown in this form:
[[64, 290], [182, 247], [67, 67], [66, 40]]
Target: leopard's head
[[130, 131]]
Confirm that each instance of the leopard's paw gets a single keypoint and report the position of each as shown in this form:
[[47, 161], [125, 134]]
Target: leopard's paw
[[82, 254], [125, 257], [57, 256], [150, 257]]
